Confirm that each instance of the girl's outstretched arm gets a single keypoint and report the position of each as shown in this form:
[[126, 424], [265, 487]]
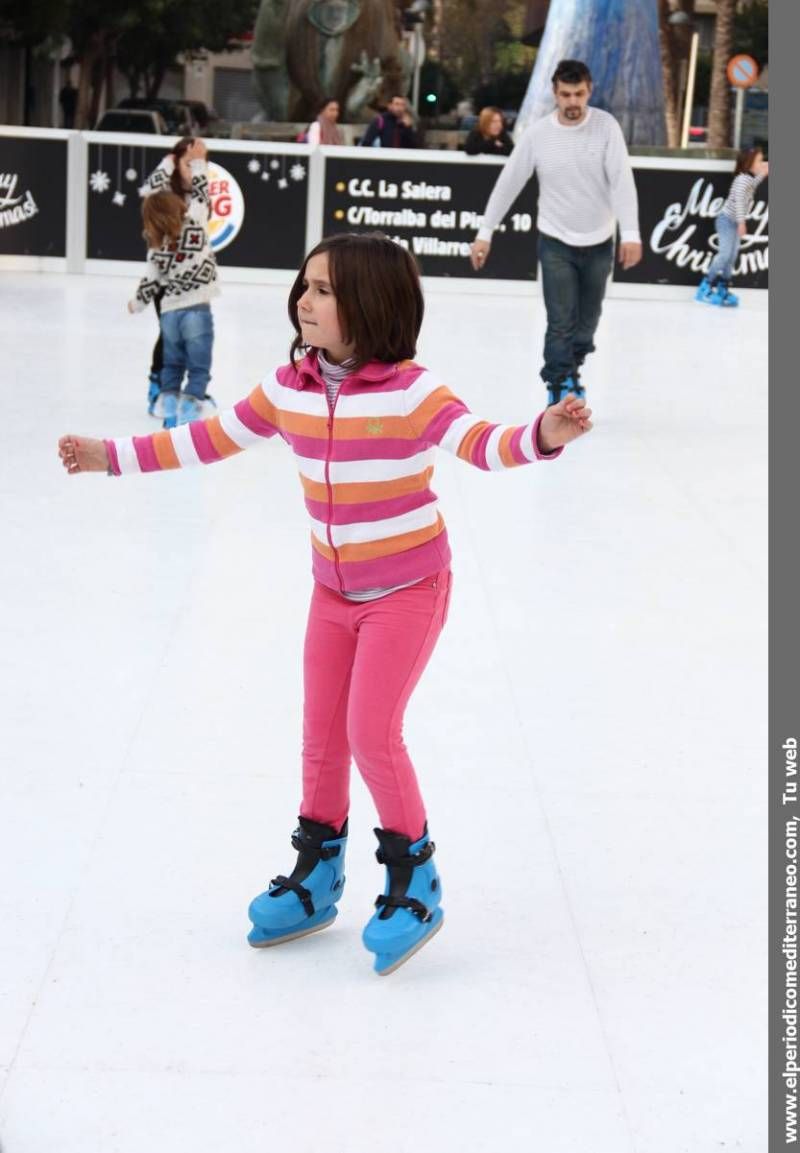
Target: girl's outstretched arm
[[82, 454], [438, 417], [199, 442]]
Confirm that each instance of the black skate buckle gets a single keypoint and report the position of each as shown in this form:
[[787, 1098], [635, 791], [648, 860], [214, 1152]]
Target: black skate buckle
[[414, 859], [303, 844], [302, 894], [411, 903]]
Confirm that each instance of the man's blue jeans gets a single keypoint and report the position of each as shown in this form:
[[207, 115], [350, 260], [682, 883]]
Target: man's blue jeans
[[574, 284], [188, 339]]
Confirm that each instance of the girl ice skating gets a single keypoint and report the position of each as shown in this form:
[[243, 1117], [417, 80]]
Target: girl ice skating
[[731, 225], [364, 421], [183, 176]]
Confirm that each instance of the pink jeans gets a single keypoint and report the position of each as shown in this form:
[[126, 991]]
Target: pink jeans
[[361, 664]]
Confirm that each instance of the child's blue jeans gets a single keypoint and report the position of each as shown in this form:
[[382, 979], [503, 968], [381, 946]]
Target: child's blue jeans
[[188, 339], [721, 266]]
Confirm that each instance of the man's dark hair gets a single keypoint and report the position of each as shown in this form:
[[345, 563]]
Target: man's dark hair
[[571, 72], [378, 295]]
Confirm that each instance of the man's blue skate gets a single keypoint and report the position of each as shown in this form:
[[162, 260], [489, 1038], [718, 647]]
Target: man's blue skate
[[409, 912], [557, 390], [305, 901]]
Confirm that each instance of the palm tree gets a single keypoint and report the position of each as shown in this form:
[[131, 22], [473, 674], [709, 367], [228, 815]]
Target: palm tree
[[674, 44], [719, 104]]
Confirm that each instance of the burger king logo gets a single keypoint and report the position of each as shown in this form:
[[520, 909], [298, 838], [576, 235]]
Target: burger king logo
[[227, 207]]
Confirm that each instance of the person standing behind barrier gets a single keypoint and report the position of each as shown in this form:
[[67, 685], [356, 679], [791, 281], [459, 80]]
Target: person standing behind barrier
[[324, 130], [731, 225], [585, 182], [173, 174], [489, 136], [393, 128]]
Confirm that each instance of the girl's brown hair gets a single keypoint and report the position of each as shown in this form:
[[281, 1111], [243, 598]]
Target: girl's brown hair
[[746, 159], [179, 151], [378, 296], [162, 216], [486, 117]]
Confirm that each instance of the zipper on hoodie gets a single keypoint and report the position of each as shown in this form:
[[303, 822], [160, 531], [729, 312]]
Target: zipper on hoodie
[[328, 484]]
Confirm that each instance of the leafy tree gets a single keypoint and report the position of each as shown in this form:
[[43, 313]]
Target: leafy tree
[[171, 27], [751, 31]]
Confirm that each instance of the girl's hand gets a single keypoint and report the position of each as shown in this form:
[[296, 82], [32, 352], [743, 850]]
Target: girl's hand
[[564, 422], [197, 150], [82, 454], [741, 228]]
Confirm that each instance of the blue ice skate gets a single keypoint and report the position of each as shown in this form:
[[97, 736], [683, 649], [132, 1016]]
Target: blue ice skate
[[723, 297], [168, 408], [192, 407], [557, 390], [704, 291], [306, 900], [408, 913], [153, 393]]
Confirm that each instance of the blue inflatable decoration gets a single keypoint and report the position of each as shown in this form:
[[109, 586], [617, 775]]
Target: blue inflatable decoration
[[618, 40]]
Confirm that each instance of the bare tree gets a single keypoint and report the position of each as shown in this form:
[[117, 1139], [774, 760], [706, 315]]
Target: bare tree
[[719, 104]]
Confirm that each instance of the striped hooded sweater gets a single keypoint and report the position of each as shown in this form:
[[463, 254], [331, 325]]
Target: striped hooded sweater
[[365, 463]]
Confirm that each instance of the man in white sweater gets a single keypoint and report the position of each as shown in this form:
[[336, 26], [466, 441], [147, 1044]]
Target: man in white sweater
[[585, 185]]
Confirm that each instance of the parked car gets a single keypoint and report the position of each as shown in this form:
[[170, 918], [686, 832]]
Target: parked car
[[132, 120], [182, 117], [203, 119]]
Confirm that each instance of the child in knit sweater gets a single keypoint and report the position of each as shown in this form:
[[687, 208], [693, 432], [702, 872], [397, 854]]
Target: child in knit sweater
[[364, 421], [182, 271]]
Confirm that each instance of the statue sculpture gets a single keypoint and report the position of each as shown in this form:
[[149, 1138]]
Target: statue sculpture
[[307, 50], [269, 58]]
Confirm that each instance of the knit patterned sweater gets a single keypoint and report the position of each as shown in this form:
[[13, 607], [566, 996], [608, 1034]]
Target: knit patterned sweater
[[365, 463], [186, 272]]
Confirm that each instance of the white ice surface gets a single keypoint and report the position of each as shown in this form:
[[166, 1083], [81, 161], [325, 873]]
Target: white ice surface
[[590, 738]]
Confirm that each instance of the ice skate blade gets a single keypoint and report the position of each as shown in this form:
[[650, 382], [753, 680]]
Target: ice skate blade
[[266, 944], [407, 956]]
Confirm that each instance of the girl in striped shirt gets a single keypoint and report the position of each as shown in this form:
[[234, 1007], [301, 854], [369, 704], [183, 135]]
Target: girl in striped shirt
[[751, 169], [364, 421]]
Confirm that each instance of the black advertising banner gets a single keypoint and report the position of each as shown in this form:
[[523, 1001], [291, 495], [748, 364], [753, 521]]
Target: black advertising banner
[[33, 196], [677, 211], [433, 209], [258, 205]]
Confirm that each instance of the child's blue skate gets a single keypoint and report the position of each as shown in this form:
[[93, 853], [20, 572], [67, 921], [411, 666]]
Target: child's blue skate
[[306, 900], [723, 297], [408, 913], [557, 390], [192, 407], [153, 392], [704, 291], [168, 408]]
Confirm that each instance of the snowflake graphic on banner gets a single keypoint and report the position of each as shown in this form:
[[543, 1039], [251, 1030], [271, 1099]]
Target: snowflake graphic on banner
[[100, 181], [254, 165], [297, 172]]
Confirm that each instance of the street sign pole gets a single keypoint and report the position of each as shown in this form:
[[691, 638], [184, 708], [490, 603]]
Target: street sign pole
[[737, 123]]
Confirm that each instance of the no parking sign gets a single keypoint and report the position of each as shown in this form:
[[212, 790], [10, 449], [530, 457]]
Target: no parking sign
[[742, 71]]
